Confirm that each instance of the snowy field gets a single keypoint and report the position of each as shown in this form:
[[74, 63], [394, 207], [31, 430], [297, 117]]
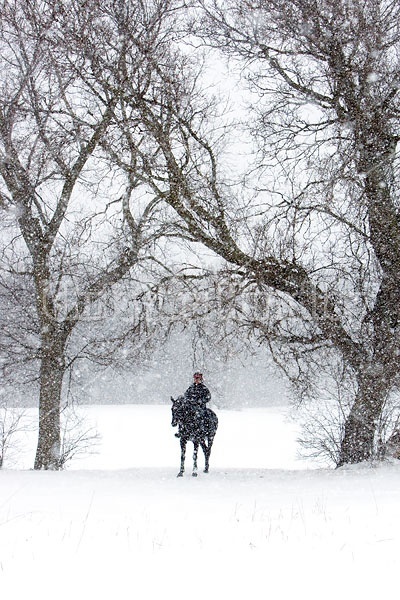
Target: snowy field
[[262, 524]]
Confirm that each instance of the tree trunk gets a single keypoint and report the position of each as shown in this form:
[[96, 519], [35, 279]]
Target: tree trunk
[[51, 378], [361, 425]]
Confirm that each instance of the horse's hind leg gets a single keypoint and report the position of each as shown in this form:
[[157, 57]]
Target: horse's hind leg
[[183, 453], [206, 455], [195, 451], [207, 452]]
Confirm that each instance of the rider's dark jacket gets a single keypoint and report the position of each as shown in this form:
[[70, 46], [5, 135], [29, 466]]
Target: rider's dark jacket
[[198, 393]]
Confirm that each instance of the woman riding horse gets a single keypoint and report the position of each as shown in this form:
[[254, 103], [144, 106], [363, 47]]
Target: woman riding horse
[[196, 422]]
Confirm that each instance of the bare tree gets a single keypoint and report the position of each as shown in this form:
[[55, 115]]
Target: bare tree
[[325, 75], [11, 423], [99, 99], [323, 235], [77, 436], [73, 210]]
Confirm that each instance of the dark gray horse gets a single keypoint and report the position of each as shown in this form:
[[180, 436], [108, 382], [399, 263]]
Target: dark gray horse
[[196, 424]]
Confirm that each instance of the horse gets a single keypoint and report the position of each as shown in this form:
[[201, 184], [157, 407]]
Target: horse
[[197, 425]]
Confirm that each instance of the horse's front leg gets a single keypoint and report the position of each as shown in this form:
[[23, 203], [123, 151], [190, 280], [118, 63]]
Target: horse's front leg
[[183, 453], [195, 451]]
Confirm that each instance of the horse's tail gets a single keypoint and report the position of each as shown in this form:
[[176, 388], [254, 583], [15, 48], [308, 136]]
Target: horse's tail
[[212, 421]]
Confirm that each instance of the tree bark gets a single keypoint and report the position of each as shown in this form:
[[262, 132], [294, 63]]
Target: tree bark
[[361, 425], [51, 377]]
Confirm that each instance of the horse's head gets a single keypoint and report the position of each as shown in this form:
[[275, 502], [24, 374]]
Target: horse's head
[[176, 409]]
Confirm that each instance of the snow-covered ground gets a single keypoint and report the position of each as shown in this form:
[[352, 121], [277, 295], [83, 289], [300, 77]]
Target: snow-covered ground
[[262, 524]]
